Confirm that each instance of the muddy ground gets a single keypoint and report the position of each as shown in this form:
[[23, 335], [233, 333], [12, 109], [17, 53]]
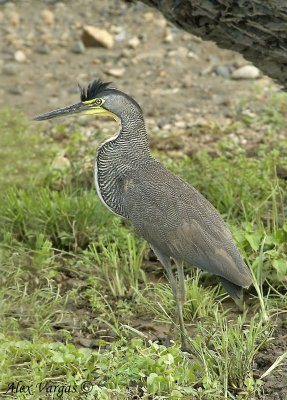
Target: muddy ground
[[179, 81]]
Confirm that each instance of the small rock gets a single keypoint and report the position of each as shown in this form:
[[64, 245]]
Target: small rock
[[143, 37], [12, 39], [93, 36], [192, 55], [44, 49], [222, 70], [64, 39], [77, 25], [134, 42], [86, 342], [167, 127], [20, 56], [116, 72], [161, 22], [148, 16], [246, 72], [187, 82], [78, 47], [60, 6], [61, 163], [201, 121], [13, 18], [126, 53], [180, 124], [10, 69], [171, 53], [221, 100], [168, 38], [134, 61], [17, 90], [213, 59], [48, 17], [208, 70], [195, 49], [121, 36], [181, 52], [116, 29]]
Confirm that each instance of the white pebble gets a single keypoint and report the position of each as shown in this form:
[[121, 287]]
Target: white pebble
[[116, 72], [20, 56], [134, 42], [246, 72]]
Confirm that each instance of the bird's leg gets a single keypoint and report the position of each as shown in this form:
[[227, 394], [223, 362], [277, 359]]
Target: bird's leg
[[178, 292], [181, 294], [172, 280], [180, 273]]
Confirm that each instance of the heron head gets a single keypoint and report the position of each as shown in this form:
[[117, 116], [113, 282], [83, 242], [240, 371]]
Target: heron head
[[99, 98]]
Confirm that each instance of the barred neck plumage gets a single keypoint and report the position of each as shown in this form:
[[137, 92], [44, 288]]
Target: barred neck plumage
[[117, 156]]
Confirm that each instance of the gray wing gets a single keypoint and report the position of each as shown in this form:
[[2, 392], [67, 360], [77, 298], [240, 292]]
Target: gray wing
[[176, 219]]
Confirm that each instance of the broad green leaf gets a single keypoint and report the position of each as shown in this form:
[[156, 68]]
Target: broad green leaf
[[254, 240]]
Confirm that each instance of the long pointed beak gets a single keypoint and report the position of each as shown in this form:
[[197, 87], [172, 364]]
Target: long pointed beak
[[69, 110]]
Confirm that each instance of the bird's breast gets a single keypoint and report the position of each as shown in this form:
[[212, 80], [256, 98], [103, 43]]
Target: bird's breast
[[111, 183]]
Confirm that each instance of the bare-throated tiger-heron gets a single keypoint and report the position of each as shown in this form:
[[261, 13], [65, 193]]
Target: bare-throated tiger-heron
[[176, 220]]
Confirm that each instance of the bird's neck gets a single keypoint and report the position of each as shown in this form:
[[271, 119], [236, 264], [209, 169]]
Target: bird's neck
[[124, 152], [132, 136]]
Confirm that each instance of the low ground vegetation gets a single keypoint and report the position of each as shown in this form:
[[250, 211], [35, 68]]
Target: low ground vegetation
[[84, 300]]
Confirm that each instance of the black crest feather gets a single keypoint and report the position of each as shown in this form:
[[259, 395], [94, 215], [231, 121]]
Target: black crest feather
[[94, 89]]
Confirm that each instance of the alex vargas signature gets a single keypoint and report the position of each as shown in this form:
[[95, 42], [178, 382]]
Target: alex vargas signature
[[46, 387]]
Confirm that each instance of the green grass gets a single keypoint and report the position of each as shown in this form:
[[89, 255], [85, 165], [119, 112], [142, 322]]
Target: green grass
[[25, 155], [81, 300], [70, 220]]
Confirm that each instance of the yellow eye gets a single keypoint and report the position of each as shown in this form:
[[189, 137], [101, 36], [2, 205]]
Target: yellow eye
[[98, 102]]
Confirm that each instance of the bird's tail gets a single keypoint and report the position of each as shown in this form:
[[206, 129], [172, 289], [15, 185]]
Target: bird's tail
[[233, 290]]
